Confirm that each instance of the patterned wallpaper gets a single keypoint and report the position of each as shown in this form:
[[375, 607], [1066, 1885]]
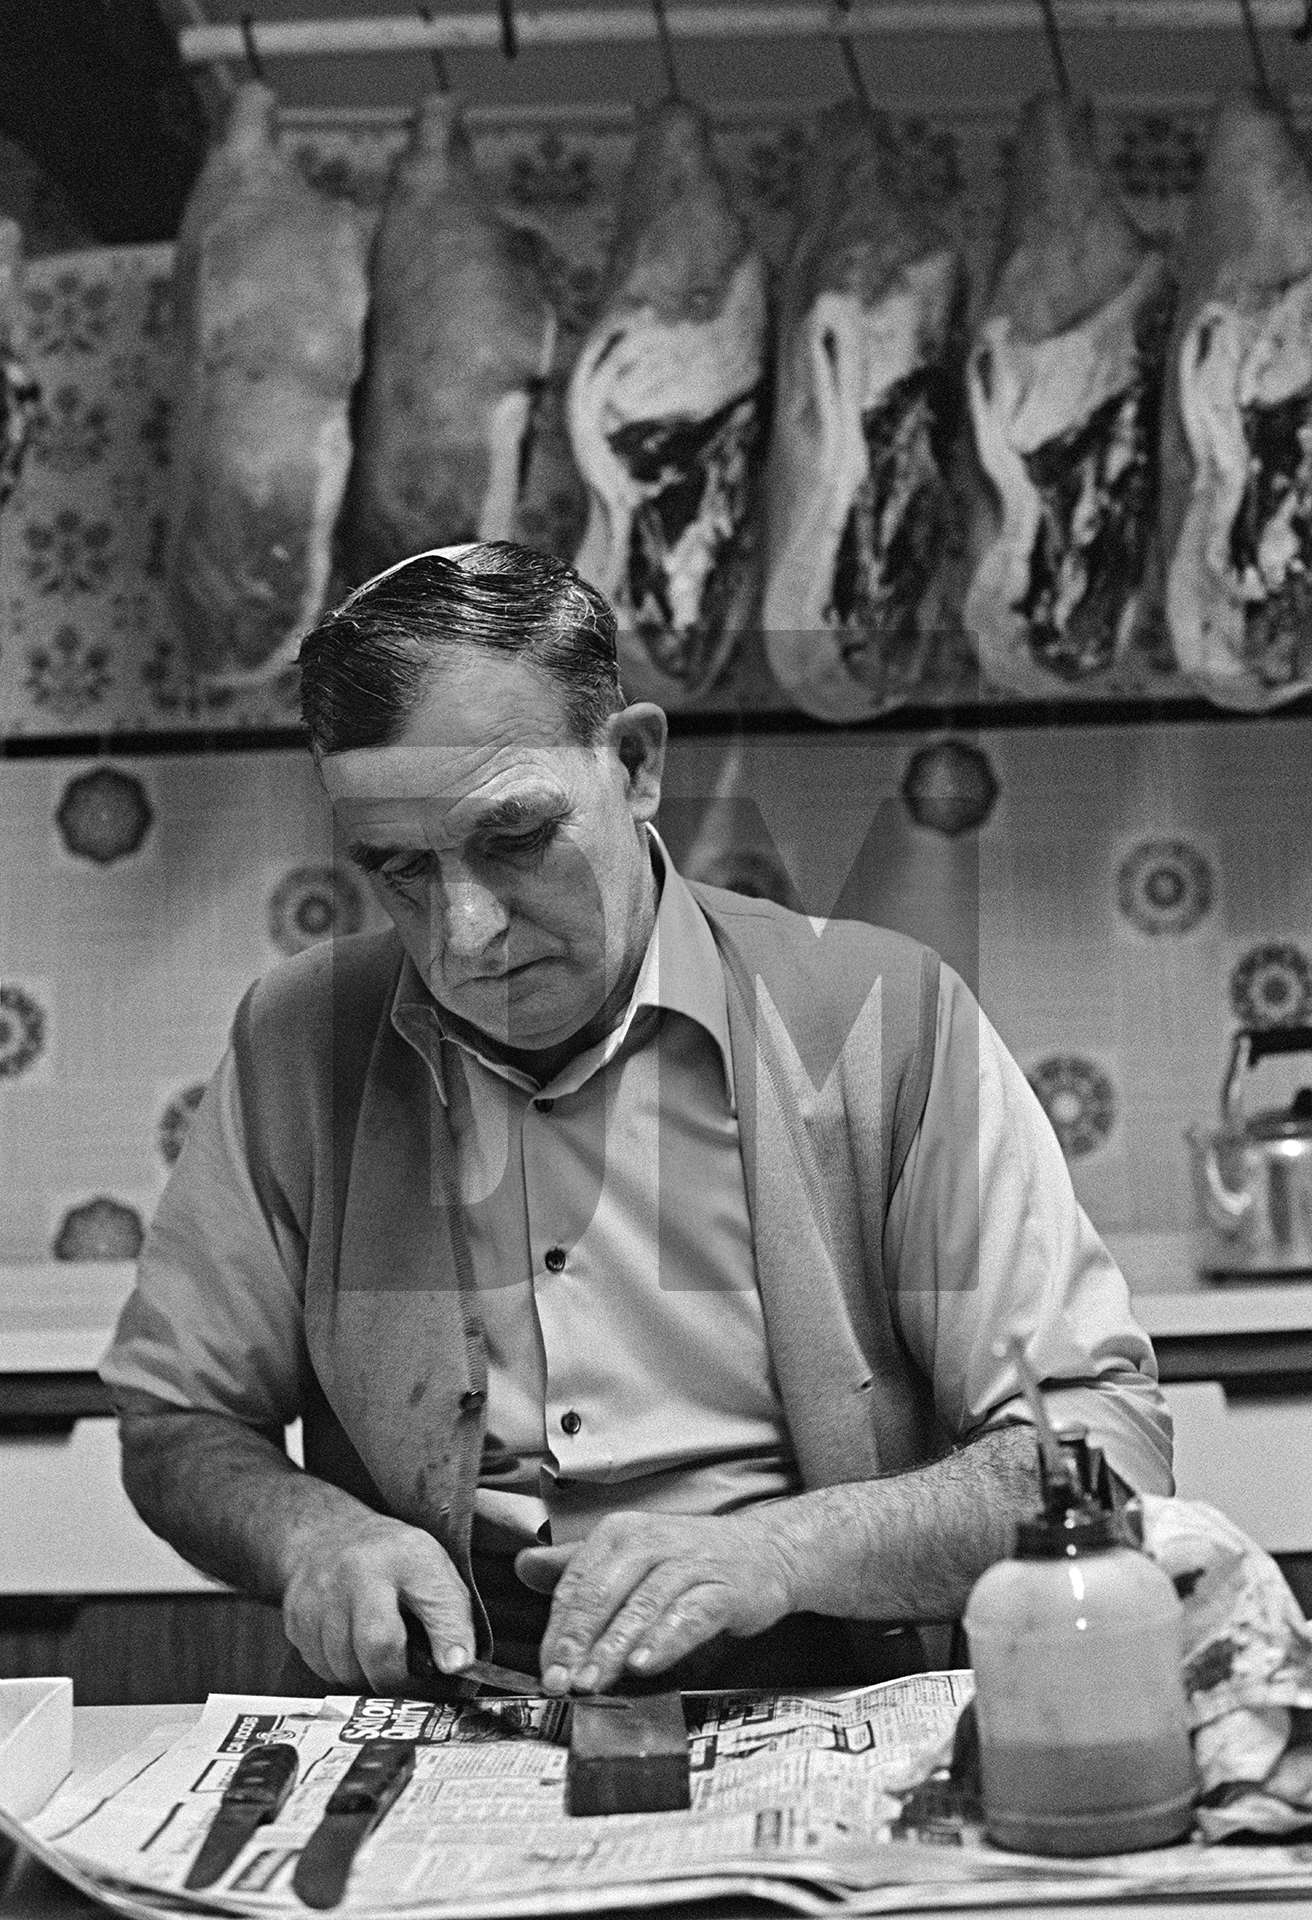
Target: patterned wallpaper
[[86, 641], [1122, 897]]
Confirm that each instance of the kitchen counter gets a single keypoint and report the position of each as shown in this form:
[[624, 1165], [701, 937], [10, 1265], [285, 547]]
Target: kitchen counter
[[56, 1316]]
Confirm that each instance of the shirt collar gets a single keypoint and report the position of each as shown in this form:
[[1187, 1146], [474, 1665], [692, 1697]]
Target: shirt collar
[[680, 973]]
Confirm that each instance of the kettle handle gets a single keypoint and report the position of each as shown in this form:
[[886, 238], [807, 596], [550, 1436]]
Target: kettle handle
[[1251, 1045]]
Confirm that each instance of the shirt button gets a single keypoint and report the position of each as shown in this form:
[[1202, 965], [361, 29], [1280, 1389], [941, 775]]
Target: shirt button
[[570, 1422], [544, 1106], [555, 1259]]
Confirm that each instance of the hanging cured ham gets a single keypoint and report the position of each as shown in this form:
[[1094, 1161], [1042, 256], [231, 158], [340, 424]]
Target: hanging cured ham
[[864, 421], [1064, 384], [271, 297], [461, 340], [19, 393], [1237, 440], [665, 412]]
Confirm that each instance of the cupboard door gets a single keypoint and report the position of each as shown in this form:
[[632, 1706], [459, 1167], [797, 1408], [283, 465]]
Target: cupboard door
[[1247, 1453]]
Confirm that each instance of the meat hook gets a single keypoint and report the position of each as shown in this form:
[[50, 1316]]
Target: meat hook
[[1261, 78], [840, 25], [666, 45], [1059, 66], [253, 60], [440, 74]]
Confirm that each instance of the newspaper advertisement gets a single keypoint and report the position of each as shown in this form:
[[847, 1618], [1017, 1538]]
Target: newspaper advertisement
[[809, 1802]]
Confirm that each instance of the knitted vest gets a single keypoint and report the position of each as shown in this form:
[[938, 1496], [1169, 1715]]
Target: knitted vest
[[832, 1036]]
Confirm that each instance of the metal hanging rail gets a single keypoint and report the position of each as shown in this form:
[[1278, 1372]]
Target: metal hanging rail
[[591, 26]]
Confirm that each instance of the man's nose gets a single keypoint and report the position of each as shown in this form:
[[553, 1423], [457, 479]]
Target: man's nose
[[471, 917]]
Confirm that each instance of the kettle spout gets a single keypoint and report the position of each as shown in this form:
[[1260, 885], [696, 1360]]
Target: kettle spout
[[1224, 1208]]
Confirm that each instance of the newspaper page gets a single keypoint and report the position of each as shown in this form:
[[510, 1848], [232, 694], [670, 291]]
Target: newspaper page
[[808, 1802]]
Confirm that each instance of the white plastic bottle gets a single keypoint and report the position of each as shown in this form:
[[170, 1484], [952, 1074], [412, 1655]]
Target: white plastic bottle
[[1076, 1647]]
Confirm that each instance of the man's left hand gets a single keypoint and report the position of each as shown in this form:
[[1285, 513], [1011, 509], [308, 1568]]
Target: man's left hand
[[644, 1589]]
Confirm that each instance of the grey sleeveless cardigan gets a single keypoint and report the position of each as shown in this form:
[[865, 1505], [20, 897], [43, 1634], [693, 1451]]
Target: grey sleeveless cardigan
[[832, 1037]]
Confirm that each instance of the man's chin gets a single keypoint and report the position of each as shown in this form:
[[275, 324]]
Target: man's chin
[[519, 1010]]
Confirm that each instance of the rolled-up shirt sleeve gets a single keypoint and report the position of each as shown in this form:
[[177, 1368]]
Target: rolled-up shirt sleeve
[[985, 1240], [214, 1323]]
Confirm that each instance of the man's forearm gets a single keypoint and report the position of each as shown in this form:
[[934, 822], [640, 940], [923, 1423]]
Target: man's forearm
[[911, 1546], [228, 1499]]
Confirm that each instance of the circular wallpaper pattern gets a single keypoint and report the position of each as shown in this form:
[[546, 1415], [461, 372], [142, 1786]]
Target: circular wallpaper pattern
[[175, 1119], [1271, 985], [100, 1229], [22, 1031], [1164, 886], [104, 815], [1078, 1099], [312, 903], [950, 787]]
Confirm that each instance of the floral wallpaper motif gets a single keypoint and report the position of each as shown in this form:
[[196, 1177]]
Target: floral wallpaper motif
[[87, 638], [950, 787], [104, 815], [311, 903], [1271, 985], [1079, 1100], [22, 1030], [1164, 886], [175, 1119], [99, 1229]]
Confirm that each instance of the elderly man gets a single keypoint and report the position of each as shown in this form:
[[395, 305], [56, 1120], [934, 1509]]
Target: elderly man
[[635, 1255]]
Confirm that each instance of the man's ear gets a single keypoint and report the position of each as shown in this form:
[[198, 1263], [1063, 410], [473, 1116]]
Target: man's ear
[[637, 737]]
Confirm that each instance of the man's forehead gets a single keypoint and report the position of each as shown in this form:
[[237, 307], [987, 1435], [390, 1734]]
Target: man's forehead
[[377, 815]]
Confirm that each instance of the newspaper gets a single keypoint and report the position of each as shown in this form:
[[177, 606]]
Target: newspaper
[[810, 1803]]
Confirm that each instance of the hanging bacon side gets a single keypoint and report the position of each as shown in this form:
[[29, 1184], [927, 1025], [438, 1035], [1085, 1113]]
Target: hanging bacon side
[[864, 423], [461, 340], [19, 393], [271, 296], [1064, 383], [665, 414], [1237, 439]]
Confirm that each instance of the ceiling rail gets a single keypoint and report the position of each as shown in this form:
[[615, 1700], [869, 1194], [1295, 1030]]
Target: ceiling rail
[[200, 45]]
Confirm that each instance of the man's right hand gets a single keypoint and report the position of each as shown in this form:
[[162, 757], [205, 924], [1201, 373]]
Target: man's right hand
[[341, 1603]]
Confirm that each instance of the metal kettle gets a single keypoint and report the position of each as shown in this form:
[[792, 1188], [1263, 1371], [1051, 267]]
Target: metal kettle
[[1253, 1176]]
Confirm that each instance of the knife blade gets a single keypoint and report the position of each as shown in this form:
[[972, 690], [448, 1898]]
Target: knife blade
[[371, 1785], [256, 1794], [423, 1669]]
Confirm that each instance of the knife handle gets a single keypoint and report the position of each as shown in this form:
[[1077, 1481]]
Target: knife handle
[[375, 1779]]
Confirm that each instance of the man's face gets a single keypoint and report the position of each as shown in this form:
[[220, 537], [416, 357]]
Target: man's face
[[511, 859]]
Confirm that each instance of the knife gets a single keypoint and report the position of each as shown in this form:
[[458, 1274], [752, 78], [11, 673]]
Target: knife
[[256, 1794], [424, 1670], [359, 1801]]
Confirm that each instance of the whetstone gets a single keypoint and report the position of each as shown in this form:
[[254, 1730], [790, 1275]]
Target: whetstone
[[627, 1756]]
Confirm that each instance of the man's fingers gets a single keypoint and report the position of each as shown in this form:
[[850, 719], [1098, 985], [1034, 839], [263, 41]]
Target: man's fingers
[[378, 1640], [600, 1577], [662, 1619], [344, 1670], [541, 1567], [697, 1615], [440, 1602]]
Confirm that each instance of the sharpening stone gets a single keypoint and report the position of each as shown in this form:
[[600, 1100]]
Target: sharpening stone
[[627, 1756]]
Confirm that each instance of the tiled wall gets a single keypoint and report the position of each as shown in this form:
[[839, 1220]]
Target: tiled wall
[[1121, 896]]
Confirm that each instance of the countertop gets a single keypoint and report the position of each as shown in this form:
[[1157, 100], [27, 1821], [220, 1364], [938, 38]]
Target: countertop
[[56, 1316]]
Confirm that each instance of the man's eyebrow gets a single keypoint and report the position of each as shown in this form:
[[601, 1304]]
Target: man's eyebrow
[[515, 811], [371, 857]]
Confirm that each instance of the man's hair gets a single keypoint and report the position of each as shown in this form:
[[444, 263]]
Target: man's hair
[[366, 666]]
